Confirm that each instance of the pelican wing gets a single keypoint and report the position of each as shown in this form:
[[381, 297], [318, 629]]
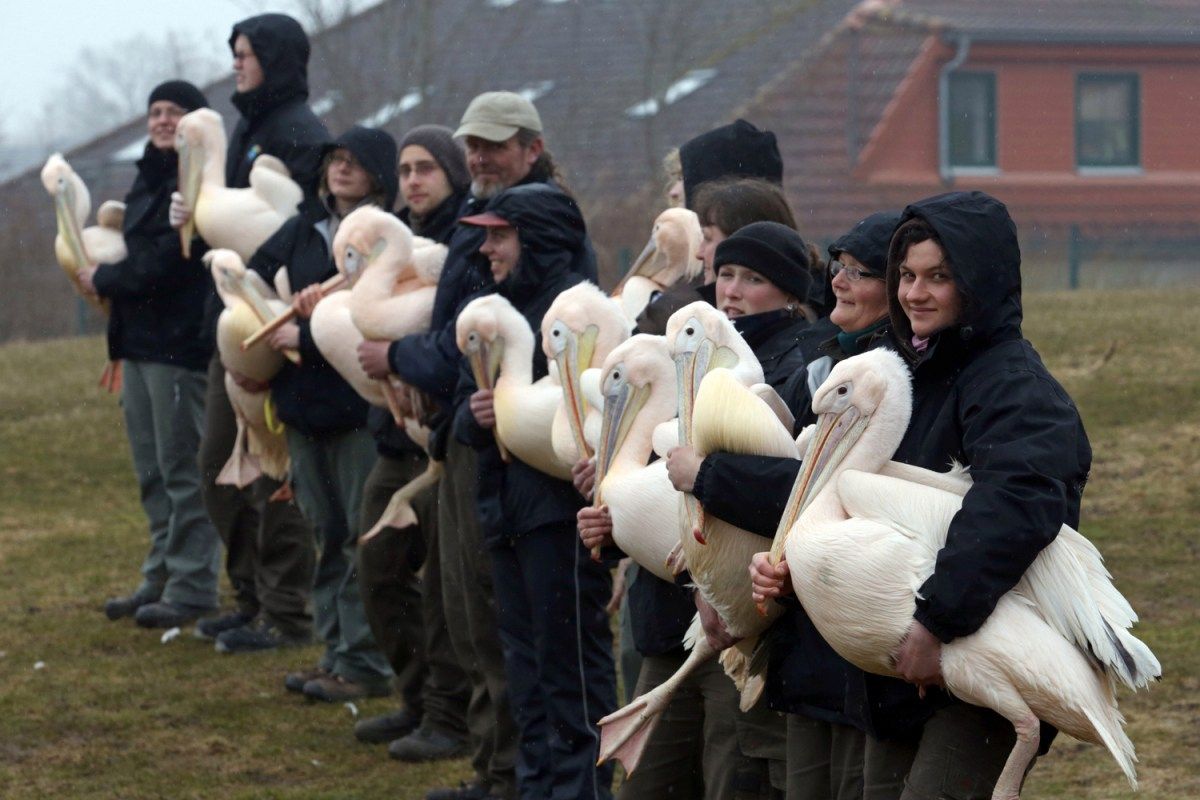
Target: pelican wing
[[728, 417], [278, 189], [768, 395]]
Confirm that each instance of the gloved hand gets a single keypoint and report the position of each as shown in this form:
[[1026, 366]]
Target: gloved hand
[[180, 212]]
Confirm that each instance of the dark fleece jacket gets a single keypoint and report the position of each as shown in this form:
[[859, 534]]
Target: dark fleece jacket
[[514, 498]]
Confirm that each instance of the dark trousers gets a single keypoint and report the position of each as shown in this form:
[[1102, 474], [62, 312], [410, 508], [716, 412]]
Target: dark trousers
[[838, 762], [405, 611], [693, 752], [470, 611], [268, 545], [961, 754], [558, 653]]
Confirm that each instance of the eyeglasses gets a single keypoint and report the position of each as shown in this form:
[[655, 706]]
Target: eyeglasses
[[852, 273]]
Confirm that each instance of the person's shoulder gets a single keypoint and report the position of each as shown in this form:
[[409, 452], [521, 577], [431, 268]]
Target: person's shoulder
[[1013, 367]]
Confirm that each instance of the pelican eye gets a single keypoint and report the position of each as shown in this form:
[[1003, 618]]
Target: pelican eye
[[842, 390], [690, 331]]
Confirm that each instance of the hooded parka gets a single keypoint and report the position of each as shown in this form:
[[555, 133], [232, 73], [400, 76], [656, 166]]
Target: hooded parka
[[312, 397], [157, 295]]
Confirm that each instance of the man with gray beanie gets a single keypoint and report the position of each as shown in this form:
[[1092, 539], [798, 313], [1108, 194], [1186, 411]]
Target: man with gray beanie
[[405, 611], [505, 147], [155, 328]]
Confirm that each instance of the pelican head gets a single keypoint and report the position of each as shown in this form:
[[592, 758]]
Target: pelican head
[[200, 135], [364, 235], [636, 375], [671, 252], [482, 331], [870, 390], [228, 272], [579, 330], [72, 203], [701, 339]]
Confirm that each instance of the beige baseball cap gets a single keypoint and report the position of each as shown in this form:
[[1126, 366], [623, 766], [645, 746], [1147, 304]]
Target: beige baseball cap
[[496, 116]]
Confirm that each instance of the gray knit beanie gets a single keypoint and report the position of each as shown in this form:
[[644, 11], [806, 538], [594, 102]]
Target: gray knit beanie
[[448, 153]]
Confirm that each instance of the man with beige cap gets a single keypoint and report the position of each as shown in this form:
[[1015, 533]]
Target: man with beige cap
[[505, 147]]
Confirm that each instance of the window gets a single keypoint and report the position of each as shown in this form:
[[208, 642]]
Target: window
[[1106, 121], [972, 120]]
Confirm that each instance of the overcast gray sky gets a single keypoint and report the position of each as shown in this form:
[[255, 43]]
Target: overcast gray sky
[[40, 39]]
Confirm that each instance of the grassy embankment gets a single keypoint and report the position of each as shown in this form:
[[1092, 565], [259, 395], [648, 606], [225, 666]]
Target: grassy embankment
[[116, 713]]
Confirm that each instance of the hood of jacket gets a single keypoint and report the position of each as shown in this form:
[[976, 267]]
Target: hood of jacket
[[868, 241], [375, 150], [282, 49], [980, 242], [552, 233]]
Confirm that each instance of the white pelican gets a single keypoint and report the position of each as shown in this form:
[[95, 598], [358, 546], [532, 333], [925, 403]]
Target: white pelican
[[638, 383], [669, 257], [579, 330], [728, 416], [498, 341], [75, 246], [237, 219], [392, 297], [260, 446], [859, 545]]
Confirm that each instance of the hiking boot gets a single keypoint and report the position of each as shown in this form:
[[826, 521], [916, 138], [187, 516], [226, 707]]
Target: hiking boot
[[212, 627], [425, 744], [168, 615], [118, 607], [295, 681], [386, 727], [475, 790], [261, 635], [338, 689]]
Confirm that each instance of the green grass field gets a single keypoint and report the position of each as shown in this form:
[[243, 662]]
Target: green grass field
[[113, 712]]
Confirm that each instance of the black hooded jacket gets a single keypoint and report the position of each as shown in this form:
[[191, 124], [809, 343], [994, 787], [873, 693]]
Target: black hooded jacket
[[438, 225], [429, 361], [514, 498], [312, 397], [275, 116], [157, 296], [982, 397]]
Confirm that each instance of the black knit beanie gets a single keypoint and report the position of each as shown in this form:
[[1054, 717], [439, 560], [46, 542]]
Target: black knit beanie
[[737, 150], [774, 251], [181, 93], [448, 153]]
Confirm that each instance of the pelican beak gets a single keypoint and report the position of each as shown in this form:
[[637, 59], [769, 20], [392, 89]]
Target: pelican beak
[[641, 265], [68, 224], [690, 369], [572, 360], [191, 157], [620, 410], [485, 362], [836, 433]]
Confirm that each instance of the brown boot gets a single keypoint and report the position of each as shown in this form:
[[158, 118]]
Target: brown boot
[[337, 689], [294, 682]]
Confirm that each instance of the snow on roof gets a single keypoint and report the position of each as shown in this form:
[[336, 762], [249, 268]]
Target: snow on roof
[[533, 91], [678, 90], [389, 111]]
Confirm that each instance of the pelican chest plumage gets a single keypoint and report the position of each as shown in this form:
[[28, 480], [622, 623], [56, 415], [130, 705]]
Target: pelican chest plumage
[[75, 246], [497, 340], [237, 219], [669, 257], [859, 544], [260, 446], [579, 330]]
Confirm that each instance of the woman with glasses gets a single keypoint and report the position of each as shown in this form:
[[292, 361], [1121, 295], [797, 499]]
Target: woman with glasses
[[330, 447]]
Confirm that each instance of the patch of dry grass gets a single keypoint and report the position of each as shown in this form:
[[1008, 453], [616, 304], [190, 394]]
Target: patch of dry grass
[[116, 713]]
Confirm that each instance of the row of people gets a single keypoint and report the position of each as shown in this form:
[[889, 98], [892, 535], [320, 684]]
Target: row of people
[[502, 647]]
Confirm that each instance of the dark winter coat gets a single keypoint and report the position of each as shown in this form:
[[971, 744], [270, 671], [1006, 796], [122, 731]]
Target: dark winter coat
[[982, 397], [438, 225], [429, 361], [514, 498], [157, 296]]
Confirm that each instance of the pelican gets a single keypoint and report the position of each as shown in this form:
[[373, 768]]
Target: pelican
[[859, 544], [260, 446], [579, 330], [728, 416], [75, 246], [639, 394], [237, 219], [392, 297], [498, 342], [669, 257]]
